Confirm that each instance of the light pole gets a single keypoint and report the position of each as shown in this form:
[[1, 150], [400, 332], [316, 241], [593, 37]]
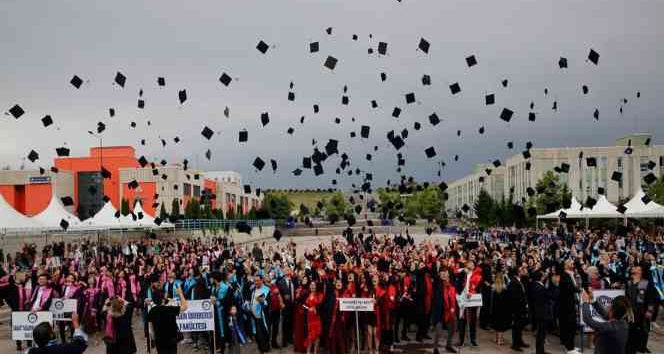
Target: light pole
[[101, 158]]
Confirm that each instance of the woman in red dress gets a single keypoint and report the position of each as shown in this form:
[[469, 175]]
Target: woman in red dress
[[336, 337], [314, 326], [299, 333]]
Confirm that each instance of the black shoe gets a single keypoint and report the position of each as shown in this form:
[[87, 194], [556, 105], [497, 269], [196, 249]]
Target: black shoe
[[435, 351], [450, 350], [516, 349], [473, 343]]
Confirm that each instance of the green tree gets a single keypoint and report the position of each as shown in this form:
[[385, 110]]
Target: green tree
[[278, 205], [389, 203], [485, 209], [175, 208], [336, 207], [124, 207], [163, 215], [218, 214], [252, 213], [656, 191], [551, 193], [206, 212], [193, 209], [230, 214]]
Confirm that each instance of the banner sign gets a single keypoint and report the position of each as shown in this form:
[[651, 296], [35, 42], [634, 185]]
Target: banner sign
[[62, 309], [39, 179], [356, 304], [199, 317], [24, 322], [604, 297], [474, 301]]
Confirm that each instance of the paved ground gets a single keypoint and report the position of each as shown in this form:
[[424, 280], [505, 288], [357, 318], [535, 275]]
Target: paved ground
[[485, 338]]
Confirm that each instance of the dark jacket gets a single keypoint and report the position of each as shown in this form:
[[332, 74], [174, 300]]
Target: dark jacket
[[542, 302], [567, 297], [519, 301], [610, 336]]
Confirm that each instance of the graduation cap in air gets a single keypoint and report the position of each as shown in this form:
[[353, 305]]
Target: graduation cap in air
[[33, 156], [133, 184], [67, 201], [120, 79], [273, 164], [141, 104], [16, 111], [243, 135], [106, 174], [364, 131], [430, 152], [504, 83], [426, 80], [497, 163], [526, 154], [330, 62], [455, 88], [47, 120], [337, 120], [651, 164], [506, 114], [480, 130], [291, 96], [306, 162], [423, 45], [531, 116], [297, 171], [396, 112], [646, 199], [530, 191], [562, 63], [593, 56], [510, 145], [208, 154], [417, 125], [318, 170], [262, 47], [650, 178], [247, 189], [465, 208], [207, 133], [258, 163], [374, 104], [290, 130], [410, 98], [161, 81], [616, 176], [276, 235], [382, 48], [225, 79], [489, 99], [528, 165], [564, 167], [562, 215], [265, 118], [313, 47], [584, 89], [76, 82], [62, 151], [143, 161], [600, 191], [591, 162], [328, 30], [64, 224], [471, 61], [621, 209], [344, 100], [383, 76]]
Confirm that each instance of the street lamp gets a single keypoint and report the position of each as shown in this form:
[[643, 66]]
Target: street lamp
[[101, 156]]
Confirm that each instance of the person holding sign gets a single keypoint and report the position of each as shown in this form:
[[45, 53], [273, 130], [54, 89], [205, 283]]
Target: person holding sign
[[162, 317], [44, 337], [610, 334]]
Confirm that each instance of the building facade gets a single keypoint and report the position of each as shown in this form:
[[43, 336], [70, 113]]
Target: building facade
[[122, 177], [630, 155]]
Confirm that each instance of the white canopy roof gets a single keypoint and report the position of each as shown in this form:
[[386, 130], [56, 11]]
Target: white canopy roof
[[637, 209], [603, 209], [574, 209], [54, 213], [10, 218], [106, 218], [147, 220]]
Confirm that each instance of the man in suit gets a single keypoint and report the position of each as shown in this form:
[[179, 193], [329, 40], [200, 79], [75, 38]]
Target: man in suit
[[287, 289], [519, 306], [567, 304], [540, 296]]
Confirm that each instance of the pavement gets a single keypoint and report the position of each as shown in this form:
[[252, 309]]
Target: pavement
[[485, 338]]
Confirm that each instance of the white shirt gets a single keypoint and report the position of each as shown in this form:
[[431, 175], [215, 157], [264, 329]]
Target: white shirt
[[36, 305]]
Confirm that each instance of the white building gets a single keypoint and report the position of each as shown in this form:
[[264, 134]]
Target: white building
[[582, 179]]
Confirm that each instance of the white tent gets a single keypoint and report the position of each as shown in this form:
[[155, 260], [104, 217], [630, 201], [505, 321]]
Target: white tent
[[54, 213], [636, 208], [10, 218], [602, 209], [147, 220], [106, 218], [574, 209]]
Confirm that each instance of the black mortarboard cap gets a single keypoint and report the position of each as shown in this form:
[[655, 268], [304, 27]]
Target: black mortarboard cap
[[593, 56], [120, 79], [318, 170], [161, 81], [133, 184], [76, 81], [404, 133], [526, 154], [489, 99], [616, 176], [297, 171], [64, 224], [646, 199], [364, 131], [480, 130], [651, 164], [67, 201], [455, 88], [465, 208], [562, 63], [330, 62], [504, 83], [143, 161], [621, 209], [291, 96], [225, 79], [207, 133], [62, 151], [259, 163], [496, 163], [262, 47], [506, 114], [430, 152], [426, 80], [208, 154], [396, 112], [47, 120], [591, 162], [564, 167], [374, 104], [382, 48], [273, 164], [410, 98], [182, 96], [424, 45], [368, 157], [106, 174], [383, 76], [530, 191], [313, 47], [417, 125], [290, 130], [528, 165], [247, 189], [16, 111], [397, 142], [562, 215], [265, 118], [244, 136], [532, 116], [141, 104], [433, 119], [510, 145], [584, 88], [33, 156], [344, 100], [306, 162], [471, 61], [650, 178], [328, 30]]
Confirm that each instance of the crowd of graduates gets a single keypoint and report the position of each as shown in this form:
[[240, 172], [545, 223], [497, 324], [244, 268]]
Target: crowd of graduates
[[270, 296]]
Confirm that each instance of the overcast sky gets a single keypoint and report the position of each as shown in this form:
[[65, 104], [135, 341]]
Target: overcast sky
[[191, 43]]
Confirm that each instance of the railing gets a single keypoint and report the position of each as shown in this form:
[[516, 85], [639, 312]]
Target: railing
[[194, 224]]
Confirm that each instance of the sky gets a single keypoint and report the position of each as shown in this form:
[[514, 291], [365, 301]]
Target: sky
[[43, 44]]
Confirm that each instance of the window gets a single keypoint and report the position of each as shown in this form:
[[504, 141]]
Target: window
[[187, 189], [197, 191]]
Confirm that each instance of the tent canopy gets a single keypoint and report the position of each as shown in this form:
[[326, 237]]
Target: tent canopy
[[10, 218], [54, 213], [636, 208]]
